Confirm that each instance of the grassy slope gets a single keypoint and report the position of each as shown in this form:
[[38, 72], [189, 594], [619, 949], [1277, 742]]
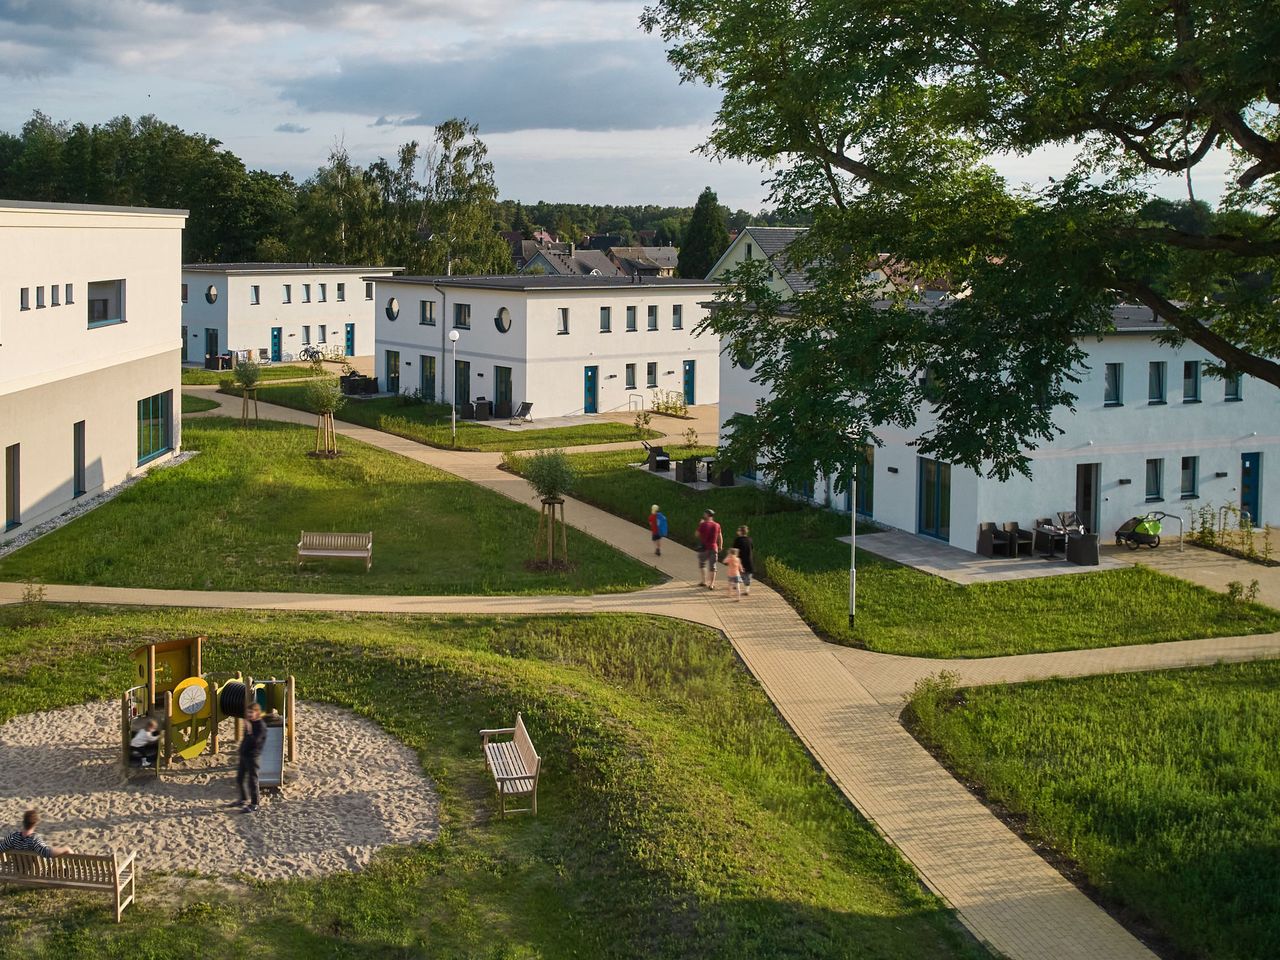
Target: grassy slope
[[429, 423], [903, 611], [194, 404], [197, 375], [229, 520], [678, 816], [1164, 787]]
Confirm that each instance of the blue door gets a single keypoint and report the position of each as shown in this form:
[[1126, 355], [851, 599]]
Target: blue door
[[934, 514], [690, 371], [590, 389], [1251, 486], [349, 346], [393, 371], [275, 344]]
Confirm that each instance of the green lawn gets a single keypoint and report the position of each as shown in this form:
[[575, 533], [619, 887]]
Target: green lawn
[[678, 817], [229, 520], [429, 423], [903, 611], [194, 404], [198, 375], [1163, 787]]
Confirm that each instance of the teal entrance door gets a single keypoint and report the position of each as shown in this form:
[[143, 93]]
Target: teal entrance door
[[275, 344], [427, 378], [1250, 486], [690, 379], [935, 499], [349, 345], [590, 389], [393, 371]]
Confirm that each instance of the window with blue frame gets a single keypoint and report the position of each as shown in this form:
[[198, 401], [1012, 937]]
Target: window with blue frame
[[155, 426]]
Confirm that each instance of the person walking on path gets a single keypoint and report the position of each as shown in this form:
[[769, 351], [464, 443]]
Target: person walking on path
[[657, 527], [742, 543], [27, 840], [255, 737], [711, 542]]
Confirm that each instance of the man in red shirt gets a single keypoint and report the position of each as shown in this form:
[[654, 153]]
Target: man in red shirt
[[710, 542]]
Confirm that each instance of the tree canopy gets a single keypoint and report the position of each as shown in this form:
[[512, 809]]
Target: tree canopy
[[705, 239], [877, 119]]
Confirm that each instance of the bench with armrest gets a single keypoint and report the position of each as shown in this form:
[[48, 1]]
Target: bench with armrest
[[76, 871], [514, 764], [353, 546]]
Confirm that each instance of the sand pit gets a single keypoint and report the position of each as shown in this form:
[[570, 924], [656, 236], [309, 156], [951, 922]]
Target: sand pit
[[354, 789]]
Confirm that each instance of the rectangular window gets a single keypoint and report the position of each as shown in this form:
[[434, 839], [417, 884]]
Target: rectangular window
[[306, 293], [322, 334], [1155, 480], [606, 319], [155, 435], [184, 294], [368, 290], [68, 299], [255, 295], [323, 293], [306, 334], [1234, 386], [77, 459], [39, 298], [651, 375], [288, 293], [653, 317], [12, 494], [748, 251], [342, 293], [427, 313], [1114, 385], [631, 319], [106, 302], [562, 320], [462, 315], [631, 376], [677, 316], [24, 298], [1191, 381], [54, 300], [1190, 477], [1156, 381]]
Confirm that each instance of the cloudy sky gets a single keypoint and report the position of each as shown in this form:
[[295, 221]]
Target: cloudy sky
[[575, 102]]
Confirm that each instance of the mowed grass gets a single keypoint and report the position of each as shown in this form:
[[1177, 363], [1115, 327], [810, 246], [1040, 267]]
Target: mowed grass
[[678, 816], [903, 611], [1163, 787], [198, 375], [429, 423], [194, 404], [229, 519]]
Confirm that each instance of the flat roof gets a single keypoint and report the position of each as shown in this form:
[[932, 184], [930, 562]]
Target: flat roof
[[284, 268], [528, 282], [87, 208]]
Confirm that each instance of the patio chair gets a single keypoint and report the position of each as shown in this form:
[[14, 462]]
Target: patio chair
[[466, 410], [992, 540], [1082, 548], [1070, 521], [1023, 540], [522, 413], [264, 356]]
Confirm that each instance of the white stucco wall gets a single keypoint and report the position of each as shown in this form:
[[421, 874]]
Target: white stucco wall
[[56, 370]]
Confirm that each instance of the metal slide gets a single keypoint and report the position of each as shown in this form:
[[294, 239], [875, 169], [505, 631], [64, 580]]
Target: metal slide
[[271, 764]]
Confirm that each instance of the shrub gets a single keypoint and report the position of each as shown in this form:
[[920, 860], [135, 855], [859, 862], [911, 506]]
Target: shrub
[[247, 374], [550, 473], [643, 419], [324, 395], [670, 402]]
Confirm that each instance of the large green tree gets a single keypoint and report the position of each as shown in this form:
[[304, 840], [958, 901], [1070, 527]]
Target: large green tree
[[877, 118], [705, 239], [459, 204]]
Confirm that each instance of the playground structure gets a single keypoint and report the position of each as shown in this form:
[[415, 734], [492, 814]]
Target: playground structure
[[189, 705]]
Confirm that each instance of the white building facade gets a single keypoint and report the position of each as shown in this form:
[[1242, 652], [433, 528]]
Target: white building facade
[[568, 345], [89, 348], [274, 310]]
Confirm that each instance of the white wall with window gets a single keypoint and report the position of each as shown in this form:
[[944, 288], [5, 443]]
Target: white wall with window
[[90, 326]]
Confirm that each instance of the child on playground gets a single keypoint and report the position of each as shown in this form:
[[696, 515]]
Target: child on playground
[[145, 744], [733, 567]]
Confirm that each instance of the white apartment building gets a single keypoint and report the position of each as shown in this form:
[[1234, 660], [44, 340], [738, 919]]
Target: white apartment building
[[275, 310], [89, 351], [568, 345], [1150, 431]]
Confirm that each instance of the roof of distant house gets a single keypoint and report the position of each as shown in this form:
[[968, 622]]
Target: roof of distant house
[[287, 268], [580, 263], [773, 242], [654, 258], [549, 281]]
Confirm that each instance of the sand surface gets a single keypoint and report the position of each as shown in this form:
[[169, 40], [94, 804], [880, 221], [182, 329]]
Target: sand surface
[[353, 789]]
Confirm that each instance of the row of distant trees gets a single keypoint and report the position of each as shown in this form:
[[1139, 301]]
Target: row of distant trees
[[432, 208]]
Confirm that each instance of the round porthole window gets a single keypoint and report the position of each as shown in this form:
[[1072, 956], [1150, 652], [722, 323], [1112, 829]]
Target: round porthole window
[[393, 308], [503, 320], [211, 294]]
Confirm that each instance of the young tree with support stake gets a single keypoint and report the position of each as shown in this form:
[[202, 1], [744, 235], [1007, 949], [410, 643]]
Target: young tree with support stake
[[551, 474], [324, 396], [247, 375]]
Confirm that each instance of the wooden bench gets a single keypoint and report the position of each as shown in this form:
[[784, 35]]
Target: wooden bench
[[78, 871], [514, 764], [356, 546]]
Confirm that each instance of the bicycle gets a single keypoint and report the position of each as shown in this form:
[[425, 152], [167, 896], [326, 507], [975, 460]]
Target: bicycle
[[310, 354]]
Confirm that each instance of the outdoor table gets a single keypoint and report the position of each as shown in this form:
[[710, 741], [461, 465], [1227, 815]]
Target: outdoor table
[[1052, 534]]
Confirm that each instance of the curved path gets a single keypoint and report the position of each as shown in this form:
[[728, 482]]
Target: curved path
[[842, 703]]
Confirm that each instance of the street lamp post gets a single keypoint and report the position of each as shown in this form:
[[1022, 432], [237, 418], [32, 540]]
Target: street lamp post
[[453, 407], [853, 538]]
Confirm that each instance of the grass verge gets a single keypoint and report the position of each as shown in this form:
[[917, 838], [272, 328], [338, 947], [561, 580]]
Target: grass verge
[[429, 423], [1163, 787], [678, 815], [229, 519], [195, 404], [903, 611], [199, 376]]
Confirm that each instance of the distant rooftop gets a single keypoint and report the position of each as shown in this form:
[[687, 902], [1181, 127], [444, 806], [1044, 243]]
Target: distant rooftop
[[87, 208], [285, 268], [553, 282]]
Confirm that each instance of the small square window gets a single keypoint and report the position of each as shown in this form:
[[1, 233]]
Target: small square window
[[653, 317], [1191, 381], [562, 320], [462, 315], [1113, 390], [1155, 480], [427, 313], [1156, 381], [631, 376], [255, 295], [651, 374], [677, 317], [1234, 386], [606, 320], [288, 293], [342, 293], [1190, 477], [631, 319]]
